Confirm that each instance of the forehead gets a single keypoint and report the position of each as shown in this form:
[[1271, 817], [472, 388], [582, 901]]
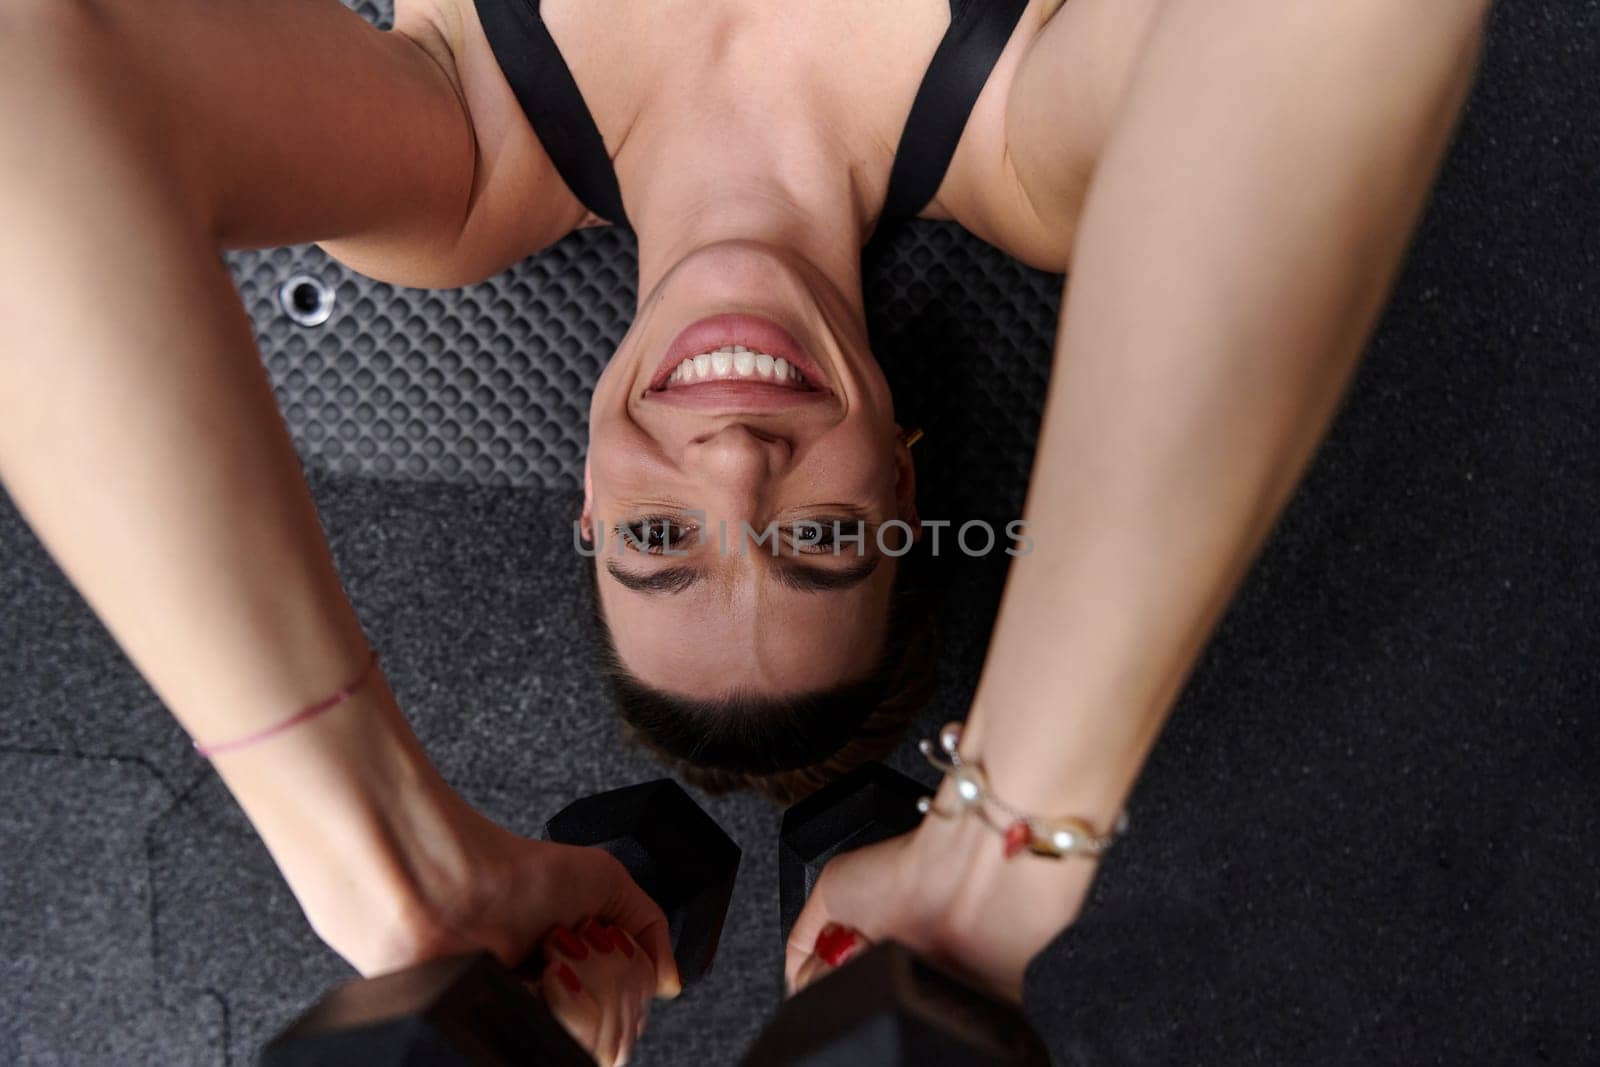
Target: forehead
[[743, 631]]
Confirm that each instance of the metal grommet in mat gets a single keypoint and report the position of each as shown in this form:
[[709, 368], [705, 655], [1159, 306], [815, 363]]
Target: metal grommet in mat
[[306, 300]]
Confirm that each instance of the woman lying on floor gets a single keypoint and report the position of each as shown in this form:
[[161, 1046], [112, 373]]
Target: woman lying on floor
[[1257, 168]]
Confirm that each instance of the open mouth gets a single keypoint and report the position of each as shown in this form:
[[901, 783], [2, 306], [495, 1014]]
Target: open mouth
[[736, 363], [738, 359]]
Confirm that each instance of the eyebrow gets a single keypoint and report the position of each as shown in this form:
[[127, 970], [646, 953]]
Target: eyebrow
[[798, 576], [809, 579], [656, 583]]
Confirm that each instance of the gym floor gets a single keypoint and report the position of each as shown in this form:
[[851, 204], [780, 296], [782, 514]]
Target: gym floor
[[1369, 833]]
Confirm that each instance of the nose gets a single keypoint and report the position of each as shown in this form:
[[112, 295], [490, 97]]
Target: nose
[[737, 455]]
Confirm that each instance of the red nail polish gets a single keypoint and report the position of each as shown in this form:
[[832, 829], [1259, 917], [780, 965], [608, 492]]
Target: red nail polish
[[1018, 836], [569, 978], [835, 944], [567, 943], [596, 934]]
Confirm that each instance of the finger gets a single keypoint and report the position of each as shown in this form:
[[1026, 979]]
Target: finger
[[628, 906], [850, 890], [609, 1039], [562, 943], [656, 940], [835, 946], [589, 960], [630, 980], [573, 1007], [803, 938], [644, 969], [624, 978], [597, 936], [627, 1027], [815, 916], [645, 982], [649, 932]]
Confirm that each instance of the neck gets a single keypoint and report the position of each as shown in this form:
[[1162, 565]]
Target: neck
[[794, 190]]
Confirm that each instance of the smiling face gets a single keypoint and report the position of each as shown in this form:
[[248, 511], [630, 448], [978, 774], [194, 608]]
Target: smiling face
[[743, 404]]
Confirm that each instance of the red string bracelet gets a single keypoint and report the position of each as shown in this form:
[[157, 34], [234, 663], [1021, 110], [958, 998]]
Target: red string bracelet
[[294, 720]]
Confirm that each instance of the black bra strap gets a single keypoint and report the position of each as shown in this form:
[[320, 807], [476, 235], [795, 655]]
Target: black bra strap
[[545, 88], [979, 30]]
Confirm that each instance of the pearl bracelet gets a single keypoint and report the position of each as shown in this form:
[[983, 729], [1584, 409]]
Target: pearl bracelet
[[1055, 838]]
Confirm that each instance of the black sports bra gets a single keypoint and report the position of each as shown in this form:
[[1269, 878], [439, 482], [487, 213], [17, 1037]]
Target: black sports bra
[[544, 86]]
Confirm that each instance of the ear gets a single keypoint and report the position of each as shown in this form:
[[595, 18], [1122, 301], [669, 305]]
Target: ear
[[905, 485], [586, 517]]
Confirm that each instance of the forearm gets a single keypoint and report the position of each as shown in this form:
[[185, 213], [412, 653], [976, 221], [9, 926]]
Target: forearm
[[1241, 234], [142, 443], [140, 438]]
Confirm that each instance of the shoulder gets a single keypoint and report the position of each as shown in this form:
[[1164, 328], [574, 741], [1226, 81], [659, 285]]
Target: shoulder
[[1019, 178], [518, 205]]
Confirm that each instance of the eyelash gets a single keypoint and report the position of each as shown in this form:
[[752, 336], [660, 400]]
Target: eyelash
[[637, 533], [830, 527]]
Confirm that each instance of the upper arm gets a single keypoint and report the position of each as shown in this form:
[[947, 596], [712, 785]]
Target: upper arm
[[1062, 100], [1048, 119], [281, 122], [513, 202]]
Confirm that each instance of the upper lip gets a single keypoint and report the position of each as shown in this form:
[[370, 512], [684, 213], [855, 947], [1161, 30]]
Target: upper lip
[[753, 331]]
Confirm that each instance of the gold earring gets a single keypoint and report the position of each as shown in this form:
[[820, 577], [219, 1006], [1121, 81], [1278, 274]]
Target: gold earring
[[911, 437]]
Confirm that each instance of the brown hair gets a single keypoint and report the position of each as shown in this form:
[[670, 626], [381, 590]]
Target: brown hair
[[788, 746]]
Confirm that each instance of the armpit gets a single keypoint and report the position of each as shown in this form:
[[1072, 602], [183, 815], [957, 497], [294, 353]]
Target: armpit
[[1057, 116]]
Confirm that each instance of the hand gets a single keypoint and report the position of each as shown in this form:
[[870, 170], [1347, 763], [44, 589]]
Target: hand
[[495, 890], [392, 867], [946, 891], [598, 982]]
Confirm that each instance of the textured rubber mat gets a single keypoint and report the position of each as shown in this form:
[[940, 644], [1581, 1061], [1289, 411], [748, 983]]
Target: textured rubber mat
[[490, 384]]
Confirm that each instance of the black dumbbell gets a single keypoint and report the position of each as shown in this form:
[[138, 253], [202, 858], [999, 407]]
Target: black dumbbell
[[472, 1009], [886, 1007]]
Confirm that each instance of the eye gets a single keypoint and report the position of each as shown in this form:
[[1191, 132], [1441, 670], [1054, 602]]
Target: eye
[[825, 535], [656, 534]]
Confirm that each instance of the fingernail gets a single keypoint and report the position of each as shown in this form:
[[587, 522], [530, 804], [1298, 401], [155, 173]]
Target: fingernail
[[569, 944], [569, 978], [835, 944], [596, 935]]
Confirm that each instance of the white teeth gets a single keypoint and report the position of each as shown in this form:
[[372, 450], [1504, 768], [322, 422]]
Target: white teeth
[[735, 361]]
